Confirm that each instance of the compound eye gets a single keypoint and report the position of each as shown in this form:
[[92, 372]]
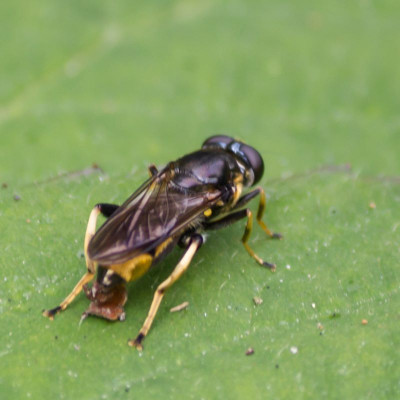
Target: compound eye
[[254, 160], [221, 141]]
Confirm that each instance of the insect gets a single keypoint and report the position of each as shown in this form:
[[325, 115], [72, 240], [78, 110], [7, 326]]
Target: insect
[[198, 192]]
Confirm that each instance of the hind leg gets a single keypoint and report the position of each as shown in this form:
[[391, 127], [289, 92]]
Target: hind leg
[[194, 244], [106, 210]]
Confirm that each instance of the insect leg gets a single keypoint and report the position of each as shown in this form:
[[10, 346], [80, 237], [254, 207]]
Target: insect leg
[[153, 170], [261, 208], [234, 217], [194, 244], [245, 238], [75, 291], [226, 220], [106, 210]]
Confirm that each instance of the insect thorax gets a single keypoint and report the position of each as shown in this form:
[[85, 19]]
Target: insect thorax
[[206, 168]]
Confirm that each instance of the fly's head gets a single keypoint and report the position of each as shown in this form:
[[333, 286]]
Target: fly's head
[[248, 159]]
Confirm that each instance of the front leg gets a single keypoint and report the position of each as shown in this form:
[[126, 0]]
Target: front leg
[[107, 210], [232, 218], [260, 212]]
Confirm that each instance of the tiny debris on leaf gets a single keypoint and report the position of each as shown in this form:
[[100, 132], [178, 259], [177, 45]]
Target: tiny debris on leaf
[[294, 350], [364, 321], [249, 351], [180, 307], [4, 185], [16, 197], [257, 300], [372, 205]]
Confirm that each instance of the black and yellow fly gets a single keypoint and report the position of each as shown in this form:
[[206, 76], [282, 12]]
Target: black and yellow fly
[[198, 192]]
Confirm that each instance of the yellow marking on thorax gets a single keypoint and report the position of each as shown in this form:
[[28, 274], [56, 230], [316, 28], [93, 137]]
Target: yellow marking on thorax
[[208, 212], [133, 269]]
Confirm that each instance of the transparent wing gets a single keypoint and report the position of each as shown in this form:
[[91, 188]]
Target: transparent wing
[[157, 210]]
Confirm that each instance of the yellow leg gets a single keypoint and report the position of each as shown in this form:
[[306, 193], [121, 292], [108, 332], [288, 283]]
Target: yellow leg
[[245, 238], [75, 291], [260, 213], [152, 170], [90, 231], [159, 293]]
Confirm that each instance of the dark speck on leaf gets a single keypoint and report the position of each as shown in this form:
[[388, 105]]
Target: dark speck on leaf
[[56, 337], [80, 254], [16, 197], [249, 351], [127, 389], [4, 185], [334, 315], [277, 366]]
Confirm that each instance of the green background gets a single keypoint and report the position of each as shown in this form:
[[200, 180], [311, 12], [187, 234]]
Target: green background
[[313, 85]]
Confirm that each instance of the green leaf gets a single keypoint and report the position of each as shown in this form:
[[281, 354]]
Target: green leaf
[[313, 86]]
